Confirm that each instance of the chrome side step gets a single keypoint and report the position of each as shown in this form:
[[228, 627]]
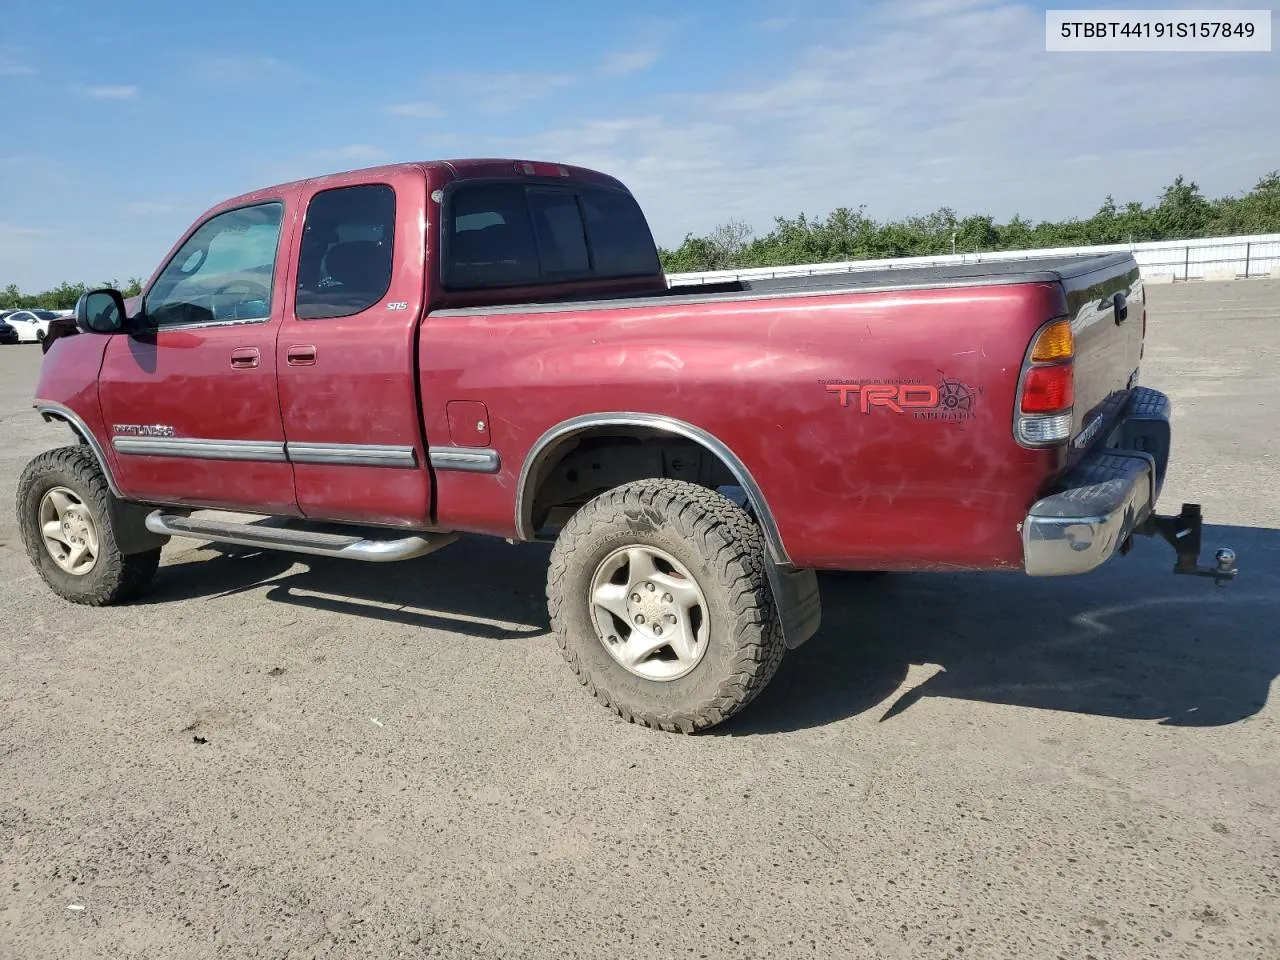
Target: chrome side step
[[345, 546]]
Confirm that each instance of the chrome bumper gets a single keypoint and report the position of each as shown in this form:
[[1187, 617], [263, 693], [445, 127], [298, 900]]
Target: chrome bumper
[[1106, 498]]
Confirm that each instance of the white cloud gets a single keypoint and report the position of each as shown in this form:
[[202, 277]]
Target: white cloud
[[918, 104], [624, 62], [773, 24], [357, 152], [12, 67], [113, 91], [503, 92], [240, 71], [651, 38], [148, 208], [418, 110]]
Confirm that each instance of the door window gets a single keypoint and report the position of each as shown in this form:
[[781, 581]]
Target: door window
[[344, 264], [225, 270]]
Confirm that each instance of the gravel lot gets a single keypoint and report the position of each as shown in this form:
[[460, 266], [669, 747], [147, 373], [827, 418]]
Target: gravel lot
[[272, 758]]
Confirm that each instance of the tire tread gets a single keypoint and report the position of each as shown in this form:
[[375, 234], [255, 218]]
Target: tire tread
[[734, 546]]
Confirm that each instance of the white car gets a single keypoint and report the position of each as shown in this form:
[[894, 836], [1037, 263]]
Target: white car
[[32, 325]]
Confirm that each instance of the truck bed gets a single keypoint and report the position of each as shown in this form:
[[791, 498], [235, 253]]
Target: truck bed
[[944, 276]]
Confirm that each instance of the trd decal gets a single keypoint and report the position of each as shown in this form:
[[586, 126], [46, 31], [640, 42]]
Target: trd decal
[[949, 399]]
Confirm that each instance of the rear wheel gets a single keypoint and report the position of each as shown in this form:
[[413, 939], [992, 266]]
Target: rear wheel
[[659, 599], [65, 516]]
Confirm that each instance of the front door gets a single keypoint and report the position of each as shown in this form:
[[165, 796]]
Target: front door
[[190, 398]]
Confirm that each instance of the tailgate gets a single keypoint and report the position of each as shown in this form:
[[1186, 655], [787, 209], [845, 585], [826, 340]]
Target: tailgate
[[1106, 303]]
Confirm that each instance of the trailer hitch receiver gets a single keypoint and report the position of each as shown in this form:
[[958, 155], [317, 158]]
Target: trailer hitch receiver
[[1183, 533]]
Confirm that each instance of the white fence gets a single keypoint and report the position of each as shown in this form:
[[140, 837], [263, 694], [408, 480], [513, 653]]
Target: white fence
[[1217, 258]]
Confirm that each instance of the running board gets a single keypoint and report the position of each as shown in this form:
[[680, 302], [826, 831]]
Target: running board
[[345, 546]]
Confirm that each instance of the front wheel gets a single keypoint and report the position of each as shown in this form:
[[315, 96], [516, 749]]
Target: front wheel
[[65, 516], [659, 598]]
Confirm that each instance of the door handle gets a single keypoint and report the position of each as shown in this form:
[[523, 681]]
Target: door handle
[[1121, 305], [244, 358], [301, 355]]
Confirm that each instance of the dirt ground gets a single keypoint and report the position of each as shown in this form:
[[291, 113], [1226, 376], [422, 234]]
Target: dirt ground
[[270, 758]]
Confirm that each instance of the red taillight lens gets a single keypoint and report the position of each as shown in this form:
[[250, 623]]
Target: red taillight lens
[[1048, 389]]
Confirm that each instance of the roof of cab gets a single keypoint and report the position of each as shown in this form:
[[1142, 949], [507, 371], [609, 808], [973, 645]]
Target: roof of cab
[[470, 168]]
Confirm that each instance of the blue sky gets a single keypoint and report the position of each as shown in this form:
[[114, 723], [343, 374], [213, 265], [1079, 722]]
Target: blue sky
[[120, 123]]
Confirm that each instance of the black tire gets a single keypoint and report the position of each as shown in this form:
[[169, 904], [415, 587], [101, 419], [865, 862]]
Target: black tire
[[40, 335], [115, 577], [723, 550]]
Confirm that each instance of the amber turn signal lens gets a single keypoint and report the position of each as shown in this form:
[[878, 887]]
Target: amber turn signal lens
[[1057, 342]]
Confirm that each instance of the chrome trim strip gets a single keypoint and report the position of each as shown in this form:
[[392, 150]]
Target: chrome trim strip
[[564, 431], [201, 325], [471, 459], [200, 449], [352, 454], [56, 411]]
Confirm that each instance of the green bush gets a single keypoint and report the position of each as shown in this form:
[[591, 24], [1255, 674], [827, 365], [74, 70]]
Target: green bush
[[1182, 213]]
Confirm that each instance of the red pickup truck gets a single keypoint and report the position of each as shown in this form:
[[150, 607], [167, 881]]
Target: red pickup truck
[[376, 362]]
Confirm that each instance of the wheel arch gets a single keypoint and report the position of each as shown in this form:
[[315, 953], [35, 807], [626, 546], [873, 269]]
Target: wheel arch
[[550, 448], [56, 412]]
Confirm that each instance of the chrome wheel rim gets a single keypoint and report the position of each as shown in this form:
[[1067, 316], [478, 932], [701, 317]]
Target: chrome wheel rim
[[649, 613], [68, 531]]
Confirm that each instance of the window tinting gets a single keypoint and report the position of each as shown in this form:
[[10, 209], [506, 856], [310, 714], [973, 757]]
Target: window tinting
[[557, 223], [620, 237], [344, 264], [223, 272], [491, 242], [513, 234]]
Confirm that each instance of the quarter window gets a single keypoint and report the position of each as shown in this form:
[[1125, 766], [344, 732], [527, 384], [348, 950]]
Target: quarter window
[[344, 264], [224, 271]]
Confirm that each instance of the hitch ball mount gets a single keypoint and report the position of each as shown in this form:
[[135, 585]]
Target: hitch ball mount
[[1183, 533]]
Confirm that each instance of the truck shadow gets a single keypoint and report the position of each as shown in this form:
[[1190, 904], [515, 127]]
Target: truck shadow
[[476, 587], [1128, 641]]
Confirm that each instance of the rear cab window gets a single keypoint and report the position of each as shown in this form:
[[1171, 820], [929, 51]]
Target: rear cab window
[[507, 234]]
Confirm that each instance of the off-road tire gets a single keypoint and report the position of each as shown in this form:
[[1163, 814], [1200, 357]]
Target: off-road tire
[[115, 577], [723, 549]]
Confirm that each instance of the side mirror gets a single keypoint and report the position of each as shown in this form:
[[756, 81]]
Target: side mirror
[[100, 311]]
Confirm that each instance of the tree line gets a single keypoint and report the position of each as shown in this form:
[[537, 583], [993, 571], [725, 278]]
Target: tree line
[[61, 297], [1182, 213]]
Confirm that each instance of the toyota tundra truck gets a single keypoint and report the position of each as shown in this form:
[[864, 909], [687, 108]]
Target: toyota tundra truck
[[372, 364]]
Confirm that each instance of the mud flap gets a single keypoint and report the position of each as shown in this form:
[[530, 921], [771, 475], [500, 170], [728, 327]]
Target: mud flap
[[799, 603], [129, 525]]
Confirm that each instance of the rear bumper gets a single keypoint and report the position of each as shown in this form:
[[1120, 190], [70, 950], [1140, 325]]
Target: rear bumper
[[1105, 498]]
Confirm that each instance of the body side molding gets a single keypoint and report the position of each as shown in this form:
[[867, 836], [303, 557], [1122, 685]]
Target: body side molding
[[267, 450], [352, 454], [471, 459]]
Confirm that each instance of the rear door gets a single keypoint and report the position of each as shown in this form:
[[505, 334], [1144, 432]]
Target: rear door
[[347, 351], [190, 400]]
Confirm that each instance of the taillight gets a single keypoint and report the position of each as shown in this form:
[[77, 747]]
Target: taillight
[[1047, 387]]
